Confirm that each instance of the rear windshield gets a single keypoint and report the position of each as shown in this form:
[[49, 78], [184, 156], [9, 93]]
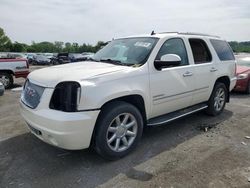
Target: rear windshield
[[223, 50]]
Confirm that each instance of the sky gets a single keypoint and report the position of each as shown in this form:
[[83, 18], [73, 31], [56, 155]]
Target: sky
[[89, 21]]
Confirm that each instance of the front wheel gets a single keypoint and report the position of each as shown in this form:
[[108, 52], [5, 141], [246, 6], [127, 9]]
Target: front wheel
[[217, 101], [119, 128]]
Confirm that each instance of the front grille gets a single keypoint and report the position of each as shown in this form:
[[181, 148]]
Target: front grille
[[31, 94]]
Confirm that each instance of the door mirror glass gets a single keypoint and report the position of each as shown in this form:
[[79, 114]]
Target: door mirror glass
[[167, 60]]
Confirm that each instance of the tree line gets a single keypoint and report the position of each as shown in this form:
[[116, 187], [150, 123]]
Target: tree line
[[54, 47], [240, 46]]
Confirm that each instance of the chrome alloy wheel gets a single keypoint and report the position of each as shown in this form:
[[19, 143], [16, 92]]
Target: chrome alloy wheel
[[219, 99], [122, 132], [5, 80]]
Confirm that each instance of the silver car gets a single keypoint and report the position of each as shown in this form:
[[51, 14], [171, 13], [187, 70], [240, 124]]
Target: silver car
[[1, 89]]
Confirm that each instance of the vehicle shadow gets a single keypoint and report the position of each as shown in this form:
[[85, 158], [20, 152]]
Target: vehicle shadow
[[16, 86], [28, 161], [240, 95]]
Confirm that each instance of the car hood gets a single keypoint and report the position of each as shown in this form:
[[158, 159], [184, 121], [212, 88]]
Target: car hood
[[242, 69], [51, 76]]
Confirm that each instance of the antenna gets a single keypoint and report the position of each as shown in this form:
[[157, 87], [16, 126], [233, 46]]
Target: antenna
[[153, 33]]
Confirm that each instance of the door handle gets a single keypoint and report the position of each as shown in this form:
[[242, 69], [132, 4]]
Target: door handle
[[213, 69], [187, 74]]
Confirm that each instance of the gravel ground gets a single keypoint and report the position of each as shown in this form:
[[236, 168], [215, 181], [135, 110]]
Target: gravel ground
[[217, 158], [180, 154]]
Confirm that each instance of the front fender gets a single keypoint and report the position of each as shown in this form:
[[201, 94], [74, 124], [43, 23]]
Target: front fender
[[94, 96]]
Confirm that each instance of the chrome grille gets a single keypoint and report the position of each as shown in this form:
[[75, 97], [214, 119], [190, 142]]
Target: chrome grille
[[31, 94]]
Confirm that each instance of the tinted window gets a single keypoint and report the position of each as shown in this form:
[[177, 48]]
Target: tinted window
[[222, 49], [200, 51], [174, 46]]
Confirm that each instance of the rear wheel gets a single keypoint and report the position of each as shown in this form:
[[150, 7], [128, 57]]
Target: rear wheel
[[217, 101], [119, 128], [6, 79]]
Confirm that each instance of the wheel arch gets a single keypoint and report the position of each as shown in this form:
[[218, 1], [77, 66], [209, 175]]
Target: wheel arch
[[225, 80], [7, 71], [134, 99]]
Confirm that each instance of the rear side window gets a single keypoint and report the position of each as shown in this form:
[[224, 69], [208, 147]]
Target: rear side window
[[200, 51], [222, 49]]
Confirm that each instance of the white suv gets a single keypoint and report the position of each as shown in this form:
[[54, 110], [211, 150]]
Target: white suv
[[130, 83]]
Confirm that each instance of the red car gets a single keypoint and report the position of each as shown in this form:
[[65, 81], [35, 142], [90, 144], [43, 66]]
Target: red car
[[243, 74]]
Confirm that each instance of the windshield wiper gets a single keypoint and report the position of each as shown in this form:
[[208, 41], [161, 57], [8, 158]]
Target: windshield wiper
[[115, 62]]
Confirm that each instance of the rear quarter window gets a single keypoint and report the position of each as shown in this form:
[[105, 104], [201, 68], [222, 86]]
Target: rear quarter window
[[222, 49]]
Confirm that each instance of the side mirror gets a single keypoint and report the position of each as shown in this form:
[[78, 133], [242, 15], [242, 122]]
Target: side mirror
[[167, 60]]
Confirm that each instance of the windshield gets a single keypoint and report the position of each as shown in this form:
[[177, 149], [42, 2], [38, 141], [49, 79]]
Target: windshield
[[128, 51], [243, 60]]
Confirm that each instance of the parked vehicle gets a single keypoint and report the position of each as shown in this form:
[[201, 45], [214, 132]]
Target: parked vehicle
[[1, 89], [3, 55], [131, 83], [16, 56], [49, 55], [12, 67], [74, 57], [41, 60], [30, 57], [87, 55], [60, 58], [243, 74]]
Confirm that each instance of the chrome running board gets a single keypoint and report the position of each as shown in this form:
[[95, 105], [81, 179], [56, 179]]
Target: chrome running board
[[176, 115]]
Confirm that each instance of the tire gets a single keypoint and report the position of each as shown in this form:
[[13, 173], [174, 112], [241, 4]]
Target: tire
[[107, 132], [53, 62], [30, 61], [248, 88], [217, 100], [6, 79]]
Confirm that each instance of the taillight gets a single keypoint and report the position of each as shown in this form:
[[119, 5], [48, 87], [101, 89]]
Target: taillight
[[66, 97]]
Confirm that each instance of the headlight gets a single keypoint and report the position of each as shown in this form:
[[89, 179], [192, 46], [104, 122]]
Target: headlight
[[242, 76], [66, 97]]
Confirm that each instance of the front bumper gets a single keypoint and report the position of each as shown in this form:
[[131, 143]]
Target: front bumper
[[71, 131]]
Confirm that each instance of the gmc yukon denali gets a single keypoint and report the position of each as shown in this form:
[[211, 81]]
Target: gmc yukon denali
[[132, 82]]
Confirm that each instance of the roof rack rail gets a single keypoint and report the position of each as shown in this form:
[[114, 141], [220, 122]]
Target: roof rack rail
[[166, 32], [202, 34], [189, 33]]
